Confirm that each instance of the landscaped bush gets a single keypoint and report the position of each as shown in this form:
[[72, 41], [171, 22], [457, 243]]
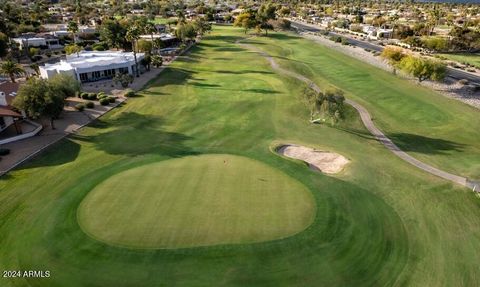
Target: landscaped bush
[[89, 105], [130, 93], [84, 96], [101, 95], [111, 99], [104, 102], [4, 151], [80, 107], [92, 96]]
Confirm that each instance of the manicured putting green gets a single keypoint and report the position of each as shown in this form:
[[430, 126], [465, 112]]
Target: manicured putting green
[[196, 201]]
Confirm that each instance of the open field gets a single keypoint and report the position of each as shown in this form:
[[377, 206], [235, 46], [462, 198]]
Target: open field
[[472, 59], [380, 222], [162, 20]]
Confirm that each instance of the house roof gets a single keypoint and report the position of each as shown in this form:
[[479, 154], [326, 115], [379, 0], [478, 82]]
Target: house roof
[[90, 59], [7, 111], [9, 88]]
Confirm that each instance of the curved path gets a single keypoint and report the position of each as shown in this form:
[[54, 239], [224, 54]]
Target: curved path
[[377, 133]]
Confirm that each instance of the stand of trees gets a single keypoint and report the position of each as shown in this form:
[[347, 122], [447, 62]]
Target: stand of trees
[[418, 67], [260, 19], [324, 106]]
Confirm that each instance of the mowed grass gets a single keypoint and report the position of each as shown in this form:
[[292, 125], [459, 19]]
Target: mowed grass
[[433, 128], [469, 58], [381, 222], [196, 201]]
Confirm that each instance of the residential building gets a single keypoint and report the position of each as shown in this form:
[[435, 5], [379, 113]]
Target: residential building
[[90, 66], [8, 115], [42, 41]]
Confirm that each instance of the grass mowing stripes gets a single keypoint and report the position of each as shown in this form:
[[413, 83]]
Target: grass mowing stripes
[[379, 223]]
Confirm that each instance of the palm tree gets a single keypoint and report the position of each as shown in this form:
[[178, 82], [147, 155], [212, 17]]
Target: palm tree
[[35, 68], [133, 34], [11, 69], [149, 28], [73, 28], [393, 20]]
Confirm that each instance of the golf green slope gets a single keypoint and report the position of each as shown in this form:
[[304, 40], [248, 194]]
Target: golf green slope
[[196, 201]]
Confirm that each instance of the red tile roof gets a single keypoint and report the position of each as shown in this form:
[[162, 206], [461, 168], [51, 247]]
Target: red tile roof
[[8, 88], [8, 112]]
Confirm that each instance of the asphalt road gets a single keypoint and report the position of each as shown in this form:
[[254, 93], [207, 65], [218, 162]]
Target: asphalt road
[[452, 73], [376, 132]]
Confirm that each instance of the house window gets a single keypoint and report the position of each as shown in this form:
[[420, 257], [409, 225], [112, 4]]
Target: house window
[[83, 77], [2, 123]]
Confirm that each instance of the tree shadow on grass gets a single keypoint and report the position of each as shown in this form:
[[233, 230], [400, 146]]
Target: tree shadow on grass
[[283, 36], [205, 85], [218, 87], [62, 152], [174, 76], [360, 133], [421, 144], [134, 134], [243, 72], [230, 49], [261, 91], [225, 38]]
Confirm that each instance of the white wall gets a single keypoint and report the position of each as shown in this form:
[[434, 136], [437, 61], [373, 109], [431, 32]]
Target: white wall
[[8, 121]]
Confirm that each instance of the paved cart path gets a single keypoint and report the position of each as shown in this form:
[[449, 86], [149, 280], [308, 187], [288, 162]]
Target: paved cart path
[[377, 133]]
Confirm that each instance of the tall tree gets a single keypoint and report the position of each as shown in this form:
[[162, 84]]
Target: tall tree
[[265, 13], [39, 97], [133, 34], [323, 106], [11, 69], [202, 26], [113, 32], [393, 55], [246, 21], [72, 28], [150, 29], [3, 45]]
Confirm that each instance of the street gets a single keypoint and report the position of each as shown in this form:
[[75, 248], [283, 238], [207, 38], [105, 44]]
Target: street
[[451, 72]]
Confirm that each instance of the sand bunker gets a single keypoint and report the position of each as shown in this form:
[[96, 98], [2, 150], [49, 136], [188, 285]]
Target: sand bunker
[[326, 162]]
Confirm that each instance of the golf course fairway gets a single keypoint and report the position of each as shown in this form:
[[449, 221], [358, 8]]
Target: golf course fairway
[[181, 185]]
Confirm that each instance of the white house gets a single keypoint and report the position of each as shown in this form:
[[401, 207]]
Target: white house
[[48, 41], [30, 42], [89, 66]]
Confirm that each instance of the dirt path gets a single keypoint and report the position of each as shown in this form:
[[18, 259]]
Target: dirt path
[[377, 133]]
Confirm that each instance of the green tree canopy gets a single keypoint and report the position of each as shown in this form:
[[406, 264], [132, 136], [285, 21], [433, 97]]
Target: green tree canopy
[[265, 13], [246, 21], [11, 69], [423, 69], [39, 97]]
